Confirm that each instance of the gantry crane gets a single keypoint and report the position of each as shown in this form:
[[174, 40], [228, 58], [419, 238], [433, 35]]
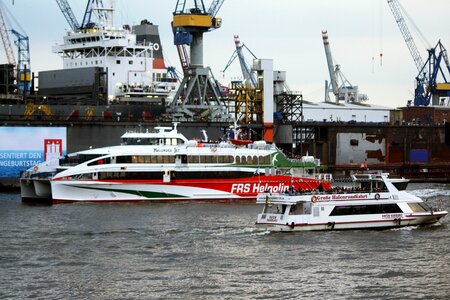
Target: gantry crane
[[427, 89], [198, 96], [248, 76]]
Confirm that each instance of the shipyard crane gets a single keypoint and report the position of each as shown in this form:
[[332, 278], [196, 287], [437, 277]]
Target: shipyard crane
[[198, 96], [339, 85], [427, 88], [22, 67], [249, 77]]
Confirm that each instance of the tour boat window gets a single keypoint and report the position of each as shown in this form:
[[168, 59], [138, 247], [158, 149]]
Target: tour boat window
[[365, 209], [255, 159], [238, 160], [229, 159], [416, 207], [148, 159], [249, 160], [220, 159], [174, 142]]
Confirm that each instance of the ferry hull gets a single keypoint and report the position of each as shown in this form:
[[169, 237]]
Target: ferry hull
[[64, 191]]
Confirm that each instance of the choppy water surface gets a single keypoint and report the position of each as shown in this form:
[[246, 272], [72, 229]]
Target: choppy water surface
[[211, 251]]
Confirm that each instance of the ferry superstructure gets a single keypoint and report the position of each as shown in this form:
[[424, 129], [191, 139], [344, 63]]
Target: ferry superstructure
[[132, 70], [165, 166], [373, 202]]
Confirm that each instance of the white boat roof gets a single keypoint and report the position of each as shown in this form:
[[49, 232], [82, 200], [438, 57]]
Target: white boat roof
[[159, 133]]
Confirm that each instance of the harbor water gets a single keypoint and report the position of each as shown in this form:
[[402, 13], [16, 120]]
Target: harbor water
[[211, 251]]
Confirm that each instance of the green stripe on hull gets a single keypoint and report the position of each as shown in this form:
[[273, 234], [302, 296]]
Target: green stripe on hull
[[145, 194]]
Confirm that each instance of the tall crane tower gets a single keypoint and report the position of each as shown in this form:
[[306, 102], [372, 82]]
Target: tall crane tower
[[198, 97], [339, 85], [427, 89]]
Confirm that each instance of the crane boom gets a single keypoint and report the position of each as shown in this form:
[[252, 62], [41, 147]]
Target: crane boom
[[396, 11], [330, 63], [215, 7], [68, 14], [5, 39]]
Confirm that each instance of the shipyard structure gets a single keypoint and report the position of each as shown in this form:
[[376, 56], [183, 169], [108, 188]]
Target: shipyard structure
[[116, 80]]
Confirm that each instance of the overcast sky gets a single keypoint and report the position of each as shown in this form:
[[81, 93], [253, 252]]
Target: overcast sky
[[287, 31]]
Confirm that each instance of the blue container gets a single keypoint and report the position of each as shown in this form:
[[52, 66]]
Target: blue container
[[418, 155]]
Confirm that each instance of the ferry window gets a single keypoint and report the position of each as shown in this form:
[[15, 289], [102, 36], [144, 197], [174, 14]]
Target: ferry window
[[153, 159], [193, 159], [172, 159], [134, 159], [166, 159], [118, 61], [114, 74], [229, 159], [135, 74], [130, 62], [220, 159], [168, 141], [238, 160], [148, 159], [174, 141], [123, 159], [255, 159], [249, 160], [243, 159], [141, 159]]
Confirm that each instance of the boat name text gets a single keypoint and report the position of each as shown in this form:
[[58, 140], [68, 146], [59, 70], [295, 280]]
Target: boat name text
[[340, 197], [258, 188]]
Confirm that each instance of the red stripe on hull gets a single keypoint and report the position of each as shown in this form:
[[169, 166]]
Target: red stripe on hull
[[243, 187]]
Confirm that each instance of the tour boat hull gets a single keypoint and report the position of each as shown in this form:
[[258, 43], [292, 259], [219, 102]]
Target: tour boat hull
[[370, 222]]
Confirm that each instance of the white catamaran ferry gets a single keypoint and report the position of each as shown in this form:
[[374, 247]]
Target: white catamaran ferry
[[165, 166], [373, 202]]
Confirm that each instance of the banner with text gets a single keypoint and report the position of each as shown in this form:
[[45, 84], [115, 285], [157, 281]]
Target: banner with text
[[23, 147]]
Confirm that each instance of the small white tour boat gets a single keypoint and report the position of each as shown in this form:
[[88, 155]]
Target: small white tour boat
[[372, 202]]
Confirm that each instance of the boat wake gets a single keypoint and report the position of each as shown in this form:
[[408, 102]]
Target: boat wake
[[429, 193]]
